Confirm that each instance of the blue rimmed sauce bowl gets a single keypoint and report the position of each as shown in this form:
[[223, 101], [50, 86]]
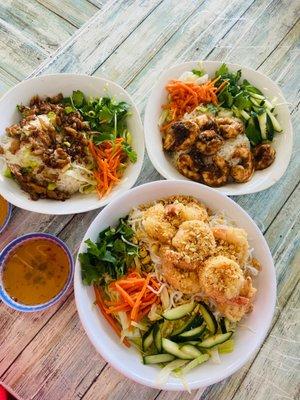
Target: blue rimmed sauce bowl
[[37, 269]]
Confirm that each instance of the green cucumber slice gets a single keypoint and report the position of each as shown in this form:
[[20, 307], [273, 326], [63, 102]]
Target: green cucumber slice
[[208, 318], [173, 348], [214, 340], [158, 358], [179, 312]]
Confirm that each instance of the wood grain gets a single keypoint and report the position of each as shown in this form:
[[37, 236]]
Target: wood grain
[[131, 42], [75, 12]]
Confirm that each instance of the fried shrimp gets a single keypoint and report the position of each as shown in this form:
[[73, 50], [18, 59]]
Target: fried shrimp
[[209, 142], [243, 170], [187, 165], [181, 136], [217, 173], [230, 127], [156, 226], [221, 278], [194, 240], [223, 282], [232, 243], [264, 155], [185, 281], [178, 213]]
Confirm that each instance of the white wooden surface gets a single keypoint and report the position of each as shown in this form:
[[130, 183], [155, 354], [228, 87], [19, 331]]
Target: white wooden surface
[[47, 356]]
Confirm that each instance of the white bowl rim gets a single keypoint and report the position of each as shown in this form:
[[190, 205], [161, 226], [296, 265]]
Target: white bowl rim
[[106, 354], [239, 187], [34, 205]]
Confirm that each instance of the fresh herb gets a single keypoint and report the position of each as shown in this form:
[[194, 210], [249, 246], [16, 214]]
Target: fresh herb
[[246, 100], [7, 173], [106, 118], [198, 72], [110, 257]]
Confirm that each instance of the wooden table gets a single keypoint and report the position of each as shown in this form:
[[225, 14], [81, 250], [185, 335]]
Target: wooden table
[[47, 355]]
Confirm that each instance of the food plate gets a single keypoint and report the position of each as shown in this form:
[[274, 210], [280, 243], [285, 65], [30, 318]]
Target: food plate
[[282, 142], [51, 85], [247, 339]]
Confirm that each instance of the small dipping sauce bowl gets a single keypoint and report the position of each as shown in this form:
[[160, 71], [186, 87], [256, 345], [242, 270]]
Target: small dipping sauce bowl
[[36, 271], [5, 213]]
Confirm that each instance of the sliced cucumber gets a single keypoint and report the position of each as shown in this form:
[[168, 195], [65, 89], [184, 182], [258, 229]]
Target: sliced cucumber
[[191, 334], [225, 325], [191, 350], [226, 347], [208, 318], [245, 115], [274, 121], [270, 128], [191, 323], [257, 96], [262, 120], [179, 312], [194, 363], [188, 323], [173, 348], [157, 337], [222, 325], [214, 340], [147, 339], [158, 358], [255, 102]]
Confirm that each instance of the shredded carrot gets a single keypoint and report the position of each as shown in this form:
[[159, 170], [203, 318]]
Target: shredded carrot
[[135, 297], [107, 157], [125, 295], [112, 322], [185, 96], [135, 310]]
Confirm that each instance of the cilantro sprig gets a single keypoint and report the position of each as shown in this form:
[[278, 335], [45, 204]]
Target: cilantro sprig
[[110, 257], [106, 118]]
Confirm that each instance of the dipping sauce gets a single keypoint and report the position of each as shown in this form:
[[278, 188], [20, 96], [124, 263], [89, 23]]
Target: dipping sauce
[[35, 271], [4, 208]]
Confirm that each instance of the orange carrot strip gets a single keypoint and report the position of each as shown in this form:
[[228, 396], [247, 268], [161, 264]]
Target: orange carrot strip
[[125, 295], [135, 309]]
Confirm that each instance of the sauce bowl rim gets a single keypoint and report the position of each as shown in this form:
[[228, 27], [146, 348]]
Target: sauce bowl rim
[[6, 298]]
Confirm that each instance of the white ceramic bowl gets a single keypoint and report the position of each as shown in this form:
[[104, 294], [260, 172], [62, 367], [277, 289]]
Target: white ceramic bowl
[[283, 142], [128, 361], [50, 85]]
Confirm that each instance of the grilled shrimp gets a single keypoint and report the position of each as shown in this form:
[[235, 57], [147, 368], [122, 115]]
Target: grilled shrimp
[[209, 142], [223, 282], [264, 155], [232, 243], [205, 122], [217, 173], [230, 127], [188, 167], [243, 170], [181, 136]]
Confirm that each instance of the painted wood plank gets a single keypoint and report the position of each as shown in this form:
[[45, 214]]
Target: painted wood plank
[[18, 54], [136, 53], [104, 32], [74, 233], [77, 12], [62, 346], [37, 23], [275, 372], [7, 81]]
